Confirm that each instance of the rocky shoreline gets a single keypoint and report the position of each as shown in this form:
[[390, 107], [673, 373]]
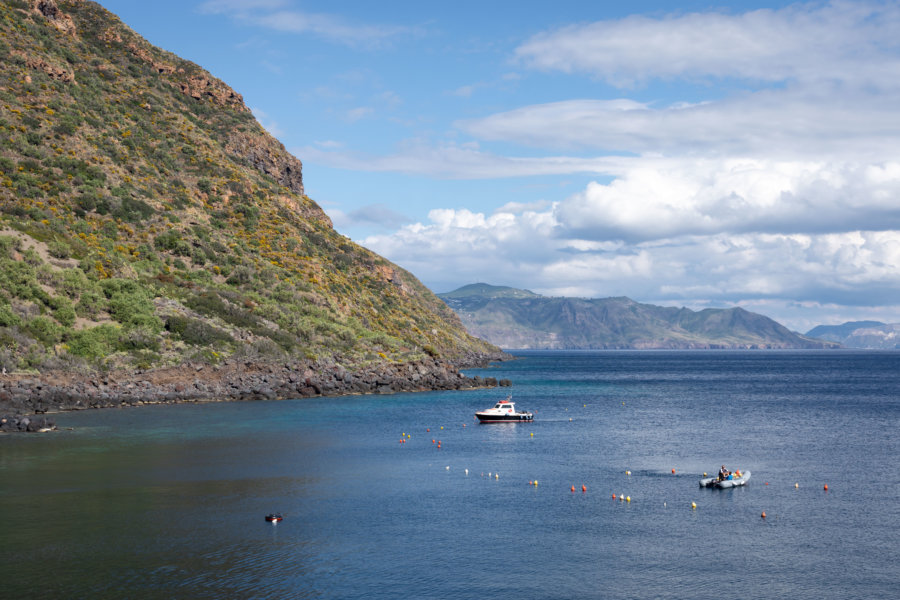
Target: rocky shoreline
[[230, 381]]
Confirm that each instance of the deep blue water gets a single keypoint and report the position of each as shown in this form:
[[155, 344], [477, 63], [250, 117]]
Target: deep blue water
[[168, 501]]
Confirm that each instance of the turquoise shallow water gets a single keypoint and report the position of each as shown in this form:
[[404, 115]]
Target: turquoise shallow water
[[168, 501]]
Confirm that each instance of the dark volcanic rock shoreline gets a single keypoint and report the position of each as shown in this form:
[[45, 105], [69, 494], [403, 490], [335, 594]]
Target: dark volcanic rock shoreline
[[233, 380]]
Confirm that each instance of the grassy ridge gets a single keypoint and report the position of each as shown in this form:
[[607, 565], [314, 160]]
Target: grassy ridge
[[146, 218]]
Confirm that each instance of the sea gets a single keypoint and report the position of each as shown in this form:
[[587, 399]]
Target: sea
[[407, 496]]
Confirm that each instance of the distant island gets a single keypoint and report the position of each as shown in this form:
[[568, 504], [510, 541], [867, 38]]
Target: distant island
[[520, 319], [860, 334]]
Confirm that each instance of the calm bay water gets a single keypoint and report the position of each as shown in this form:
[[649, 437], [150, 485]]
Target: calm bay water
[[168, 501]]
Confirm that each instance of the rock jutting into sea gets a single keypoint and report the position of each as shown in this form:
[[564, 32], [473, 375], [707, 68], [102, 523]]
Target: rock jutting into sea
[[231, 380]]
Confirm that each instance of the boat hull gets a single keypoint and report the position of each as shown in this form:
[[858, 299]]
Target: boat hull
[[713, 482], [507, 418]]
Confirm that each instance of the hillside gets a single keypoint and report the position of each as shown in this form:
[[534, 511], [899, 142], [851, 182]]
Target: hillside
[[531, 321], [860, 334], [148, 221]]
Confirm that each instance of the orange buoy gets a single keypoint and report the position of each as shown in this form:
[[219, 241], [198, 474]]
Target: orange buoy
[[583, 488], [614, 496], [673, 471], [573, 488], [826, 487], [428, 429], [763, 515]]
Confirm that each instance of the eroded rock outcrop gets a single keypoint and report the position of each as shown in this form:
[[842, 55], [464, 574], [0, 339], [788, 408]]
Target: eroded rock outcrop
[[269, 156], [50, 11]]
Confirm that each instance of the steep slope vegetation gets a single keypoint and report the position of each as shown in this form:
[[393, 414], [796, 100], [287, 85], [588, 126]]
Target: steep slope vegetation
[[527, 320], [147, 220]]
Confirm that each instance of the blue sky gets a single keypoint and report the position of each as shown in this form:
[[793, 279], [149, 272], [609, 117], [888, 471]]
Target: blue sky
[[693, 154]]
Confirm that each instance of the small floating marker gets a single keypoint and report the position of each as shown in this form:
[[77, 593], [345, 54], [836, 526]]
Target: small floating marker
[[826, 487], [627, 498], [573, 488], [432, 441], [796, 485], [763, 515], [614, 496], [665, 504], [570, 418], [628, 472], [496, 475], [673, 471], [585, 405], [535, 482], [489, 474], [442, 426], [467, 471], [447, 467], [428, 430], [704, 474], [693, 506], [583, 489], [464, 424], [532, 434]]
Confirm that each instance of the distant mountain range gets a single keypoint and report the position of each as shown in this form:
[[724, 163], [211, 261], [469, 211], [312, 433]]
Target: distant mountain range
[[514, 318], [860, 334]]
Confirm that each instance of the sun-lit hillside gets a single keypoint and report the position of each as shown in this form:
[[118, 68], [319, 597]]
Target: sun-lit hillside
[[146, 218]]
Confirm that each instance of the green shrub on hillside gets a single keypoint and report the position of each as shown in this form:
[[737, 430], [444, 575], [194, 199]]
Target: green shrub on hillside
[[96, 342]]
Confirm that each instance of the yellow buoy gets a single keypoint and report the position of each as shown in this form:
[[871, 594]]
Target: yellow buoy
[[693, 505], [627, 498], [496, 475], [532, 434]]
